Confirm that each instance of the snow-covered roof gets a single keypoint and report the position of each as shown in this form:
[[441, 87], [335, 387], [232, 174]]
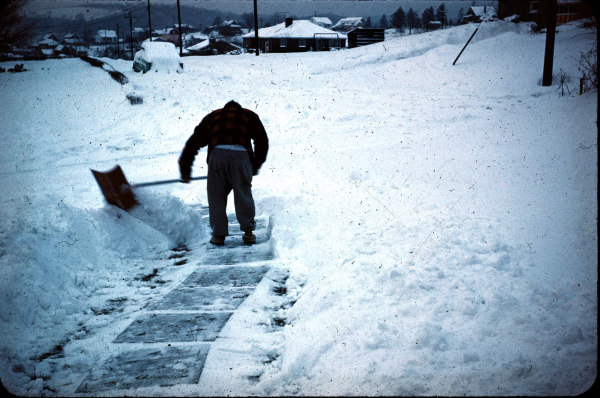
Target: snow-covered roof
[[198, 46], [48, 51], [478, 11], [195, 35], [301, 29], [107, 33], [324, 20], [49, 42], [351, 21]]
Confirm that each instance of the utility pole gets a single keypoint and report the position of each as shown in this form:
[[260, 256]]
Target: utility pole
[[180, 41], [130, 33], [550, 35], [256, 28], [149, 22], [118, 43]]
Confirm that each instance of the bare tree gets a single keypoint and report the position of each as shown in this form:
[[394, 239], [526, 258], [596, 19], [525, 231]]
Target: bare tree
[[12, 29]]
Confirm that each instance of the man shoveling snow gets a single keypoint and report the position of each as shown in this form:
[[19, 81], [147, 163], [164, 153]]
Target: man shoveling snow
[[231, 165]]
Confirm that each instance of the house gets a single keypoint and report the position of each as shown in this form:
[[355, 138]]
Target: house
[[295, 36], [185, 27], [478, 14], [433, 25], [347, 24], [323, 22], [65, 51], [71, 39], [361, 36], [49, 41], [169, 34], [106, 37], [190, 39], [227, 28], [537, 11], [212, 46]]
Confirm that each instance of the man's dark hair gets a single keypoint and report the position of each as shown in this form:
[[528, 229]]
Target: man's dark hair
[[232, 103]]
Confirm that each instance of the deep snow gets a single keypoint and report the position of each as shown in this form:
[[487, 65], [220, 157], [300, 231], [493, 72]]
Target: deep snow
[[439, 222]]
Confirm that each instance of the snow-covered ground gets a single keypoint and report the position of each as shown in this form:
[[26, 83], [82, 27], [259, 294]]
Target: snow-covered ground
[[439, 222]]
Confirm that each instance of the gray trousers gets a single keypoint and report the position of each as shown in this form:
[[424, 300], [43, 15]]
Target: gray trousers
[[230, 170]]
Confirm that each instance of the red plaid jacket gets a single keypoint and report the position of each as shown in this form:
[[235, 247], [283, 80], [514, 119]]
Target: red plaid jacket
[[232, 125]]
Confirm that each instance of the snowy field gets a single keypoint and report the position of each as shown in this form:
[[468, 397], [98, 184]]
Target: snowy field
[[439, 222]]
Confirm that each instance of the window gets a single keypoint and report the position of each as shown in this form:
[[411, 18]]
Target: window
[[283, 43], [302, 43], [533, 7]]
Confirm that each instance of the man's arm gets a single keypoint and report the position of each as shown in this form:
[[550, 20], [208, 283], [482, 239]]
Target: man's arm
[[198, 140], [261, 145]]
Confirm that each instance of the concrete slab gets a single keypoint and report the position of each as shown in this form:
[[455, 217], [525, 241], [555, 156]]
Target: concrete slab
[[202, 299], [172, 328], [166, 366], [234, 276]]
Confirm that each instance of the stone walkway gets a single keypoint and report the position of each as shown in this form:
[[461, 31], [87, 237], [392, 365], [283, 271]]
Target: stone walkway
[[168, 344]]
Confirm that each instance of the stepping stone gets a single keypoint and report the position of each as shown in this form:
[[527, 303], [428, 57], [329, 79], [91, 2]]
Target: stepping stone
[[229, 256], [226, 276], [202, 299], [174, 328], [166, 366]]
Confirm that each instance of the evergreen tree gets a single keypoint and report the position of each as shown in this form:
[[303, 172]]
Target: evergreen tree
[[427, 16], [368, 23], [411, 20], [440, 14], [399, 20], [461, 16], [383, 22]]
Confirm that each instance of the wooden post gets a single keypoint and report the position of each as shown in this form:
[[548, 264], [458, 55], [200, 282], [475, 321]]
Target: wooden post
[[131, 34], [180, 40], [256, 28], [550, 35], [468, 41], [149, 22]]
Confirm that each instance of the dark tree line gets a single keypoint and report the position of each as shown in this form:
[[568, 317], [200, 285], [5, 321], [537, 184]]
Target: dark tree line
[[400, 20]]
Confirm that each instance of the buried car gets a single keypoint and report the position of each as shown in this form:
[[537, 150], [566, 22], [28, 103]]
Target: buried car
[[158, 56]]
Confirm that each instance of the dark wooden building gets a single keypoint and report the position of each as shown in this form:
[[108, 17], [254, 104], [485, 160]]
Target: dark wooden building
[[363, 36], [537, 11]]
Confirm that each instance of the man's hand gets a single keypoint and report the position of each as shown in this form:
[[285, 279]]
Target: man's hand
[[185, 179]]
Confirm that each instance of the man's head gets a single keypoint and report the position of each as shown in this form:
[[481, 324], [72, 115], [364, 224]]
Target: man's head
[[232, 104]]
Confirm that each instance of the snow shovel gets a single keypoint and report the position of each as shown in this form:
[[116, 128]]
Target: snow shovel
[[117, 191]]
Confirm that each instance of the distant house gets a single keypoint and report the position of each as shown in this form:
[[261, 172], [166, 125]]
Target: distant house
[[295, 36], [71, 39], [537, 11], [106, 37], [65, 51], [478, 14], [227, 28], [361, 36], [433, 25], [185, 28], [347, 24], [323, 22], [212, 46], [190, 39], [49, 41], [169, 34]]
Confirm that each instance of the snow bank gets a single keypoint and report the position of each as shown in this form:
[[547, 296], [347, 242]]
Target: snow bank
[[438, 222]]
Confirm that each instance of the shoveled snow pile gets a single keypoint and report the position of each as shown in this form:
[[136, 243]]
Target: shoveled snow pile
[[439, 222]]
